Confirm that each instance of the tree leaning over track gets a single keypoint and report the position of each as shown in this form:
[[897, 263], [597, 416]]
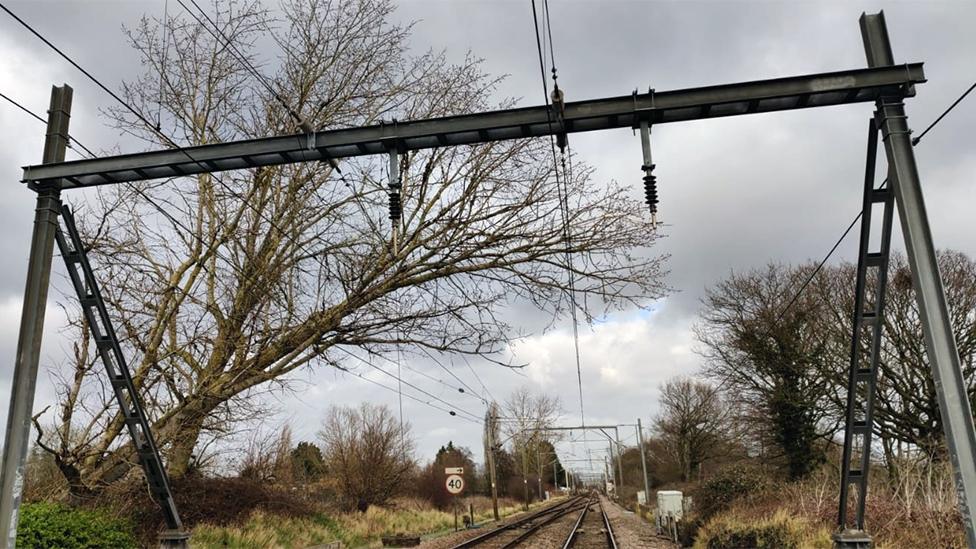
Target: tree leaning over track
[[288, 267]]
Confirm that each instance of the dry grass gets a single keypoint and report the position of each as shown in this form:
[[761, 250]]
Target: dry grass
[[415, 516], [778, 531], [917, 510]]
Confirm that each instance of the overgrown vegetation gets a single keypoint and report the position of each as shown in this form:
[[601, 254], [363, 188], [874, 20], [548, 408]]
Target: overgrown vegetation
[[352, 529], [730, 485], [45, 524], [780, 531], [916, 510], [283, 494]]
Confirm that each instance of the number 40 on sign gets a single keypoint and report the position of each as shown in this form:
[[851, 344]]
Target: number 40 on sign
[[455, 484]]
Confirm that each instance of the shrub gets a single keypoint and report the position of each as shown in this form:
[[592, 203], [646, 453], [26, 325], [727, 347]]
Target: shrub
[[719, 492], [781, 531], [55, 525], [688, 528], [216, 501]]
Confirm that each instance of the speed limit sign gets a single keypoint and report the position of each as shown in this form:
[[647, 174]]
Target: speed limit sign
[[455, 484]]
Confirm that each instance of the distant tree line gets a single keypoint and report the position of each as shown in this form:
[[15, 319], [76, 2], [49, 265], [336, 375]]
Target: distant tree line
[[775, 375]]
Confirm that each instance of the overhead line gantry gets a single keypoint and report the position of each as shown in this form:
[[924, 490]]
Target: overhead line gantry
[[884, 83], [654, 107]]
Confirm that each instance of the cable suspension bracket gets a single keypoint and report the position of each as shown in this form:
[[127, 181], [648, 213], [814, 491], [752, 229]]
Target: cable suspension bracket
[[395, 186], [558, 106], [650, 180]]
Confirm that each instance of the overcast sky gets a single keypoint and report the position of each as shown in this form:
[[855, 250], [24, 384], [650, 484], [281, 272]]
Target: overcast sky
[[735, 192]]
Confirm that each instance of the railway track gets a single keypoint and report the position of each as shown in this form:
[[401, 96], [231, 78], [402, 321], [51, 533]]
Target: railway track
[[591, 528], [516, 533]]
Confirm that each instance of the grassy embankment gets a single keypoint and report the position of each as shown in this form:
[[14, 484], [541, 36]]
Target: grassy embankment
[[264, 530], [915, 509]]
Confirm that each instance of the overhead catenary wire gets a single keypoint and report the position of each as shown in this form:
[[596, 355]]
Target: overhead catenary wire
[[915, 141], [477, 377], [567, 178], [153, 128], [465, 388], [391, 389], [440, 381], [563, 197], [457, 410], [71, 140], [25, 109], [820, 265]]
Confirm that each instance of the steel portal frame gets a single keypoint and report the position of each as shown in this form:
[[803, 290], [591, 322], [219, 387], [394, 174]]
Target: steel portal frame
[[883, 83], [654, 107]]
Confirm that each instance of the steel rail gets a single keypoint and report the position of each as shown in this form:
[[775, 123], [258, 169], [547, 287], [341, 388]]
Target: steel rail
[[571, 538], [528, 532], [607, 528], [557, 510]]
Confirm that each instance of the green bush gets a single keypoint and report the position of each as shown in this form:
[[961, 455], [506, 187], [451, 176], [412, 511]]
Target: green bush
[[778, 532], [719, 492], [44, 525]]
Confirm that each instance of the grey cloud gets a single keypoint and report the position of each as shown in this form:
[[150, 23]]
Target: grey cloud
[[735, 193]]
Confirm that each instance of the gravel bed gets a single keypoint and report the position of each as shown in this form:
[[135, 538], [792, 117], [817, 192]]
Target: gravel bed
[[453, 538], [553, 534], [630, 531]]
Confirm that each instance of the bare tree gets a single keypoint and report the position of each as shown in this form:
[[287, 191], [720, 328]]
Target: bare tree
[[527, 415], [771, 357], [253, 274], [366, 453], [267, 457], [692, 423], [752, 345], [906, 405]]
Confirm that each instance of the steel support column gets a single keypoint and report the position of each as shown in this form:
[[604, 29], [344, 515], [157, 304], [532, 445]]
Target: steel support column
[[643, 456], [490, 430], [866, 333], [32, 321], [620, 466], [943, 355]]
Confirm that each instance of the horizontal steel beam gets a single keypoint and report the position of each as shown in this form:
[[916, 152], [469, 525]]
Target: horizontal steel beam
[[573, 428], [796, 92]]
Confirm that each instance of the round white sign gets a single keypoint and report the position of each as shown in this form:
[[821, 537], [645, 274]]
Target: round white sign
[[455, 484]]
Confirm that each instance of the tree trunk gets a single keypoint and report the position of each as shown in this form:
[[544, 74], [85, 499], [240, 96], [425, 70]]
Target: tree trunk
[[891, 460], [189, 425]]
